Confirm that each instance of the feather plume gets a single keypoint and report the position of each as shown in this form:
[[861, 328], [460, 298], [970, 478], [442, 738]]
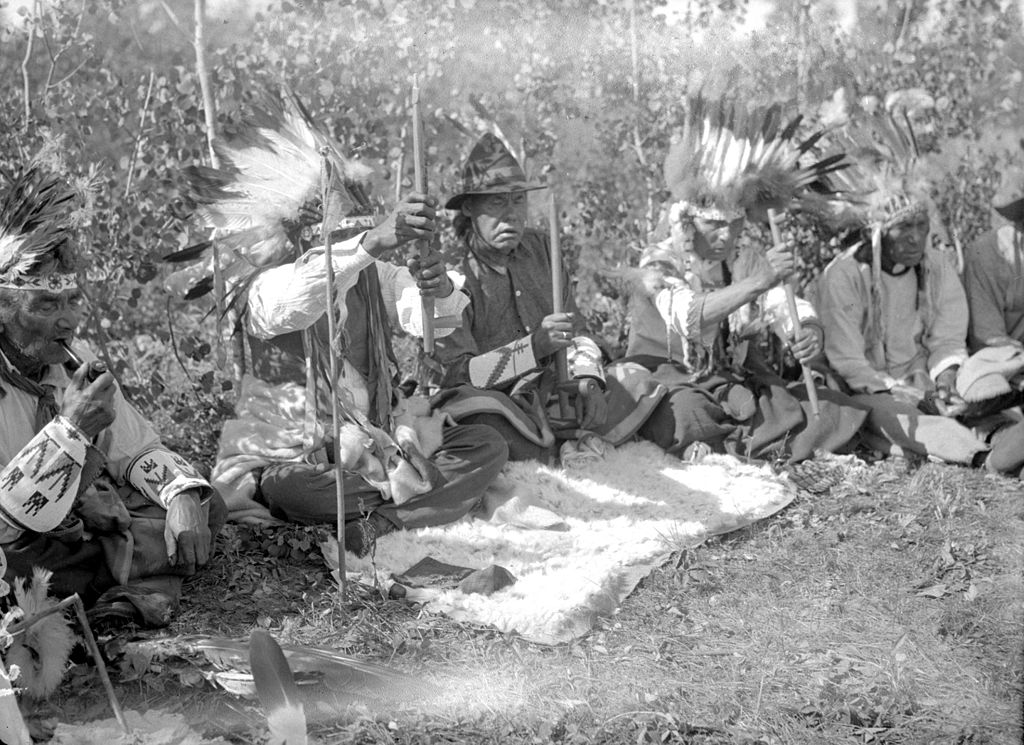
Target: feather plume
[[885, 177], [42, 650], [34, 217], [738, 160], [275, 686], [269, 170]]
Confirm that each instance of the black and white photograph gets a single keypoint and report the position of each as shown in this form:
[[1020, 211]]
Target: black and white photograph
[[511, 372]]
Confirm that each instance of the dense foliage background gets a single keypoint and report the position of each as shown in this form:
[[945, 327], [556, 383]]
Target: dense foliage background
[[586, 91]]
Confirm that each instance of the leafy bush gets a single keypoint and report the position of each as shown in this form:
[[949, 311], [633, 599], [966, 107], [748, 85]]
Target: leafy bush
[[110, 94]]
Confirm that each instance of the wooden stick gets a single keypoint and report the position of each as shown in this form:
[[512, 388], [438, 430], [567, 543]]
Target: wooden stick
[[812, 392], [334, 355], [561, 361], [90, 643], [420, 184], [101, 668]]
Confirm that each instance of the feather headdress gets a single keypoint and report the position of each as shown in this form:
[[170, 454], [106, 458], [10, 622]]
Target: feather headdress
[[885, 183], [269, 170], [727, 161], [34, 230]]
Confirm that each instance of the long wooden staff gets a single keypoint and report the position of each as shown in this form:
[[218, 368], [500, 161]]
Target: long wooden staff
[[812, 392], [334, 355], [561, 360], [420, 184]]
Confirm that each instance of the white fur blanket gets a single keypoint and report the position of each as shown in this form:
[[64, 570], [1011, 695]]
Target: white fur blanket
[[578, 540]]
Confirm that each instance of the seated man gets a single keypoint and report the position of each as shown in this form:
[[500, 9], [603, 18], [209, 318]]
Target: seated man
[[87, 490], [896, 320], [705, 314], [994, 282], [392, 483], [278, 458], [400, 465], [499, 367]]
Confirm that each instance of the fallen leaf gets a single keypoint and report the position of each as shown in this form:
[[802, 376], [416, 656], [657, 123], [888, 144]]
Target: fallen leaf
[[934, 591]]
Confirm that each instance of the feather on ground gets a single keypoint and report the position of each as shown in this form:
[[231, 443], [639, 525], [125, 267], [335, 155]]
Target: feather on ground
[[275, 686]]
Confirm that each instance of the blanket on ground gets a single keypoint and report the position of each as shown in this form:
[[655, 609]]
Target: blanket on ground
[[577, 539]]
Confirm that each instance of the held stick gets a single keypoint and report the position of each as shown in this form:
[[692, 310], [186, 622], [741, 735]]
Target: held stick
[[334, 354], [561, 362], [812, 392], [420, 184]]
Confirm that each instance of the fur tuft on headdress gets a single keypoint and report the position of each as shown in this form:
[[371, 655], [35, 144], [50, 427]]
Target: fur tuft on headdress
[[727, 160], [34, 222], [269, 170]]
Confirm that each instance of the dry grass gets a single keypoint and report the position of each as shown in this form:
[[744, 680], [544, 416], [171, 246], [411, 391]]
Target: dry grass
[[889, 611]]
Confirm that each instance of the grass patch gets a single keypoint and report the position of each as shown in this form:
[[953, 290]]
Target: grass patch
[[890, 610]]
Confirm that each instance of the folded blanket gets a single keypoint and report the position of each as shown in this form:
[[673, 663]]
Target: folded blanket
[[269, 427]]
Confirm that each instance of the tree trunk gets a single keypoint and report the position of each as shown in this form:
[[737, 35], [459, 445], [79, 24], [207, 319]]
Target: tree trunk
[[224, 320]]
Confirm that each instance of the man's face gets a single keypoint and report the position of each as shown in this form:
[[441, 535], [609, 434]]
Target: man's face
[[500, 219], [715, 240], [42, 320], [904, 243]]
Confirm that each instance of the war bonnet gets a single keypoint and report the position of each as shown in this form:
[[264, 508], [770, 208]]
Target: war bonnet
[[36, 250]]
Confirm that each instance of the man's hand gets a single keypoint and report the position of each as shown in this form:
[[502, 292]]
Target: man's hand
[[946, 399], [592, 407], [555, 333], [186, 534], [907, 394], [807, 346], [412, 219], [90, 406], [780, 264], [431, 275]]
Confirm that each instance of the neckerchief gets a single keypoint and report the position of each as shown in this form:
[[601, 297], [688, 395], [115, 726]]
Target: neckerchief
[[479, 247], [46, 408]]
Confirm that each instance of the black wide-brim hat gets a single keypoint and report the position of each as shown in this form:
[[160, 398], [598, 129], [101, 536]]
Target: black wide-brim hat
[[1013, 211], [491, 169]]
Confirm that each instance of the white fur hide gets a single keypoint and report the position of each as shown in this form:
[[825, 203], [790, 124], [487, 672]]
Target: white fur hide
[[579, 540]]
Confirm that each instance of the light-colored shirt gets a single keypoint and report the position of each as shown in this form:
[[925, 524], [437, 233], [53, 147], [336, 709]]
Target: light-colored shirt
[[994, 281], [46, 468], [290, 298], [670, 323], [924, 330]]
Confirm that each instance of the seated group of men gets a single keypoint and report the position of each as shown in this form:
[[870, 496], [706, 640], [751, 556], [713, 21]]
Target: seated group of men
[[88, 490]]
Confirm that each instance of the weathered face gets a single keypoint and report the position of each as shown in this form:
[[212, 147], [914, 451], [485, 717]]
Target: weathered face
[[905, 242], [499, 219], [41, 319], [715, 240]]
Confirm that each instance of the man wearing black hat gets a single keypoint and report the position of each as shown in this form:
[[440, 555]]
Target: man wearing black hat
[[499, 366], [994, 280]]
